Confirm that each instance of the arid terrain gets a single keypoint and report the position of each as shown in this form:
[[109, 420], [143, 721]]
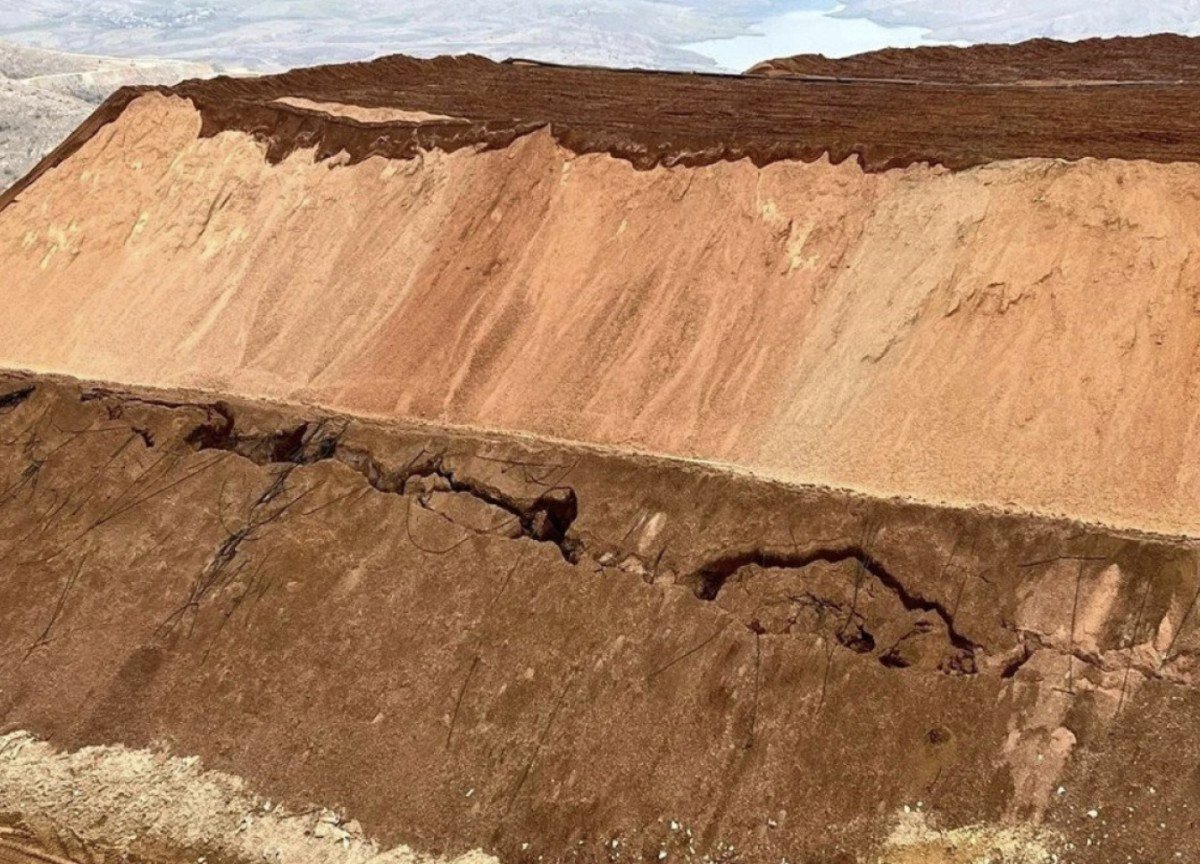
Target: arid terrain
[[519, 463], [559, 252], [44, 95], [1162, 59]]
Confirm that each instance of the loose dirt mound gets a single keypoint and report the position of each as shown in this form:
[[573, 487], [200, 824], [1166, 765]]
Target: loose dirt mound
[[654, 119]]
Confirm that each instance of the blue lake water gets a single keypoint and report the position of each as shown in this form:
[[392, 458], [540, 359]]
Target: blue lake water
[[811, 30]]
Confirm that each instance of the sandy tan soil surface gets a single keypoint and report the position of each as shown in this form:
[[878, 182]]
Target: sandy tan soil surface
[[44, 95], [1023, 334], [366, 115], [561, 653]]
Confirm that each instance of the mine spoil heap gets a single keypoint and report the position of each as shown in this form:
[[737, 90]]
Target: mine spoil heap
[[507, 461]]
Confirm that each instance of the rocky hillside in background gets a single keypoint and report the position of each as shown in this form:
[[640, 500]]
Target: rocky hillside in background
[[46, 94]]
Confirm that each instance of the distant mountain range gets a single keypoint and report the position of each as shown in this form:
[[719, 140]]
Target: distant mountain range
[[272, 35]]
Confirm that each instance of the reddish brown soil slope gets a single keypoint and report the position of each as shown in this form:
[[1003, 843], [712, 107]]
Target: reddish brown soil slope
[[561, 651]]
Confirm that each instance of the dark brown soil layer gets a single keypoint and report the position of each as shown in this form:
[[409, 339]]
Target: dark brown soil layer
[[1162, 58], [655, 118], [470, 640]]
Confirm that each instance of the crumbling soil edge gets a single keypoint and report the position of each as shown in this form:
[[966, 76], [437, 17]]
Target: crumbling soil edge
[[209, 399], [108, 111], [549, 518]]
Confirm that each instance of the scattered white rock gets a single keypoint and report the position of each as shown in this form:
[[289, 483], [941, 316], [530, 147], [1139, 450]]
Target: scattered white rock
[[127, 797]]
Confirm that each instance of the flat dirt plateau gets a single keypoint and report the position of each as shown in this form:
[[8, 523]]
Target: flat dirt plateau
[[378, 634]]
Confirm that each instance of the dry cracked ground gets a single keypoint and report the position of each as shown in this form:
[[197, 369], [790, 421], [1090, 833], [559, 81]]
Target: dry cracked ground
[[743, 469]]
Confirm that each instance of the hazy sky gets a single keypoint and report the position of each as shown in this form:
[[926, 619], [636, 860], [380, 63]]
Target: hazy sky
[[683, 34]]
